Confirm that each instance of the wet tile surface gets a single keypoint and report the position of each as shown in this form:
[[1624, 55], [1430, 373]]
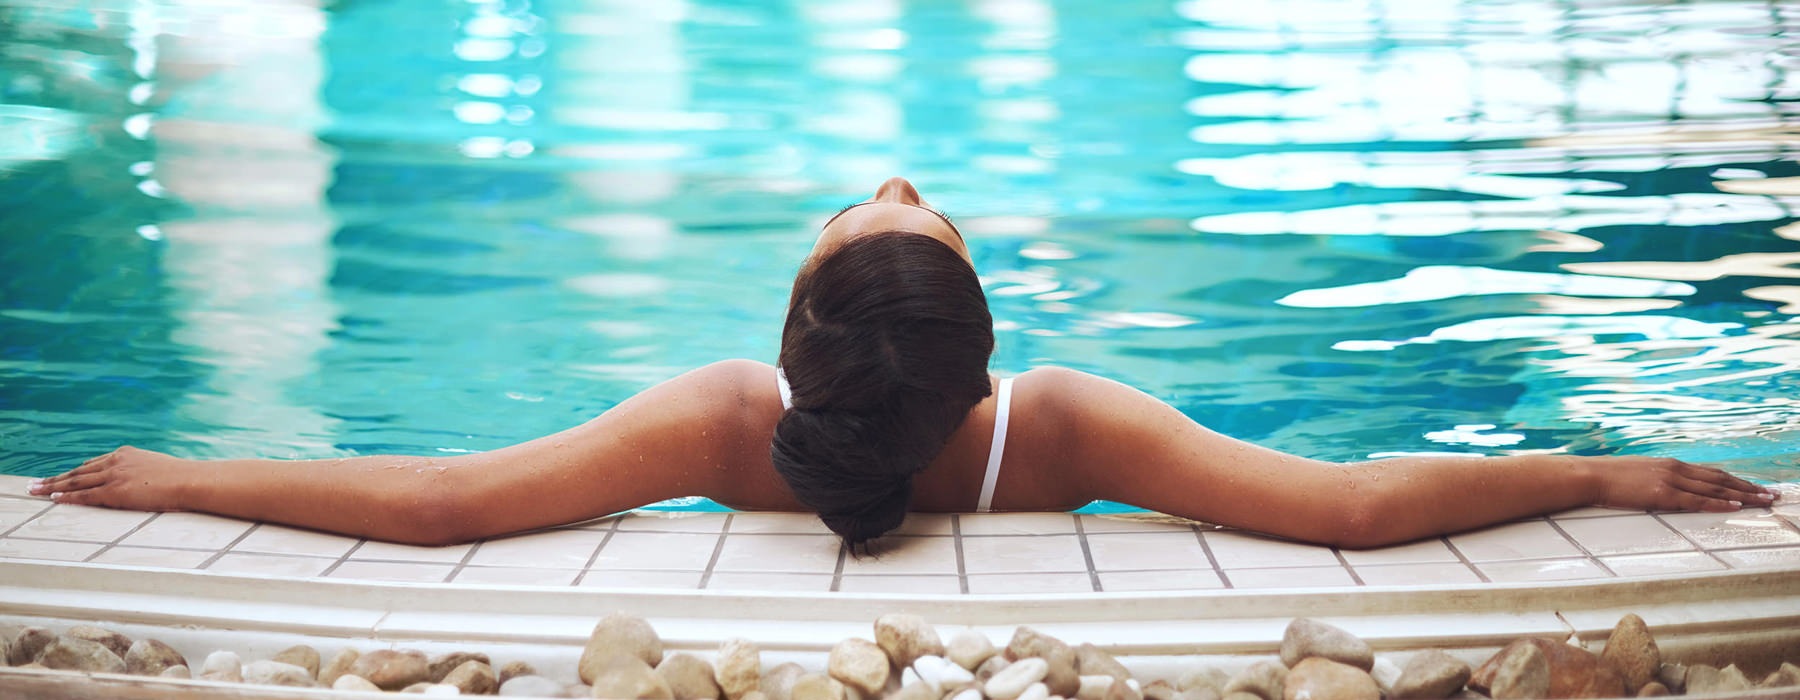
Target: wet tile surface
[[930, 555]]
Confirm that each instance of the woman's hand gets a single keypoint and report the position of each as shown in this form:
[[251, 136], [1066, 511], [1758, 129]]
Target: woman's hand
[[1659, 483], [127, 478]]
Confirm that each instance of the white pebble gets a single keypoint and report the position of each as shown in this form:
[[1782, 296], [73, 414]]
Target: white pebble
[[223, 663], [1094, 687], [909, 677], [1035, 691], [967, 694], [1012, 681], [941, 672]]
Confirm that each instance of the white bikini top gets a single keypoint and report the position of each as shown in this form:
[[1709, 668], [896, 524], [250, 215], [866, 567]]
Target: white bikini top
[[996, 450]]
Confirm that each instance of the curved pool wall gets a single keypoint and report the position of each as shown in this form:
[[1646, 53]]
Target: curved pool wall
[[271, 229]]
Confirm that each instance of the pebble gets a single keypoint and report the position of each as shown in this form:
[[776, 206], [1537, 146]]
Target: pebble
[[738, 667], [270, 672], [860, 664], [514, 669], [1320, 678], [1203, 678], [444, 664], [941, 673], [993, 665], [778, 683], [339, 665], [967, 694], [1306, 637], [300, 655], [473, 677], [1263, 679], [1161, 690], [1062, 678], [1124, 690], [117, 643], [968, 648], [623, 676], [817, 686], [531, 685], [78, 654], [918, 690], [619, 633], [1241, 695], [1631, 652], [350, 681], [391, 669], [1704, 680], [1573, 672], [1787, 676], [1202, 693], [1386, 673], [222, 666], [906, 637], [429, 688], [1091, 660], [148, 657], [1035, 691], [689, 677], [27, 644], [1093, 687], [176, 672], [1012, 681], [1653, 689], [1674, 676], [1519, 671], [1431, 674]]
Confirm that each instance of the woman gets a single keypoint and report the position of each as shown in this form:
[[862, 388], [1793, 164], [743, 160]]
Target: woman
[[882, 404]]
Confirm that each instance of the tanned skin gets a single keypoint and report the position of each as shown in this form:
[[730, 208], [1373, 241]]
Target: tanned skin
[[1073, 438]]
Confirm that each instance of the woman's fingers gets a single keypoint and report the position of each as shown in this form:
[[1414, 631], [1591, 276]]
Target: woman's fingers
[[1732, 487]]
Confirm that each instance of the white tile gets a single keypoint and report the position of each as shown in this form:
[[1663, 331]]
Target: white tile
[[1016, 523], [1012, 584], [276, 539], [11, 548], [1749, 528], [388, 551], [553, 549], [411, 572], [906, 555], [1661, 564], [1787, 498], [778, 523], [1191, 580], [17, 510], [159, 558], [1148, 522], [269, 565], [1531, 539], [925, 524], [1297, 577], [996, 555], [657, 521], [82, 524], [188, 530], [1131, 551], [683, 551], [658, 580], [1431, 551], [805, 554], [1632, 534], [1237, 550], [779, 583], [14, 486], [1775, 558], [1540, 570], [515, 576], [1435, 573], [907, 585]]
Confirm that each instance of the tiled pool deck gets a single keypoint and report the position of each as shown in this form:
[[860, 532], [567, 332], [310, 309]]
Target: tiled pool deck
[[1022, 553]]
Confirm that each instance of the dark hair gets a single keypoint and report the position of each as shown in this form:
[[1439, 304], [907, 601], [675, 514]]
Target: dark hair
[[886, 350]]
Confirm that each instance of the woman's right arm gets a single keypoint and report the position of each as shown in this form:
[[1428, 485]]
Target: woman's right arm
[[684, 437]]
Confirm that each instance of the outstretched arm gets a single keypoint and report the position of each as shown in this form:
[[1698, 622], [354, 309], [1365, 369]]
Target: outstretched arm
[[1129, 447], [680, 438]]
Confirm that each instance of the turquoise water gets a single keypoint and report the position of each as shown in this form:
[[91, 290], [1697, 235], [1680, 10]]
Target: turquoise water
[[1340, 229]]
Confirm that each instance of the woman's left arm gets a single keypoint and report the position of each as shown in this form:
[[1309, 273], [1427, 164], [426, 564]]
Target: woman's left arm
[[1124, 445]]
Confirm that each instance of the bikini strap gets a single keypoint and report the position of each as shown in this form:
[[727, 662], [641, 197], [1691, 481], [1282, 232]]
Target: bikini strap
[[997, 449]]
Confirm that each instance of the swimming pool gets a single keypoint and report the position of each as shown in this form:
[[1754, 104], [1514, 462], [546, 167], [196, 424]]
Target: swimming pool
[[1337, 229]]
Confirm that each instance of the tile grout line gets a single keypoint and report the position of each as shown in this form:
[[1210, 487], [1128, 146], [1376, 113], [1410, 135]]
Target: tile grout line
[[1684, 536], [1087, 553], [595, 556], [461, 564], [1210, 559], [116, 540], [227, 548], [1479, 574], [718, 548], [343, 558], [1355, 578], [1591, 556], [47, 506], [962, 571]]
